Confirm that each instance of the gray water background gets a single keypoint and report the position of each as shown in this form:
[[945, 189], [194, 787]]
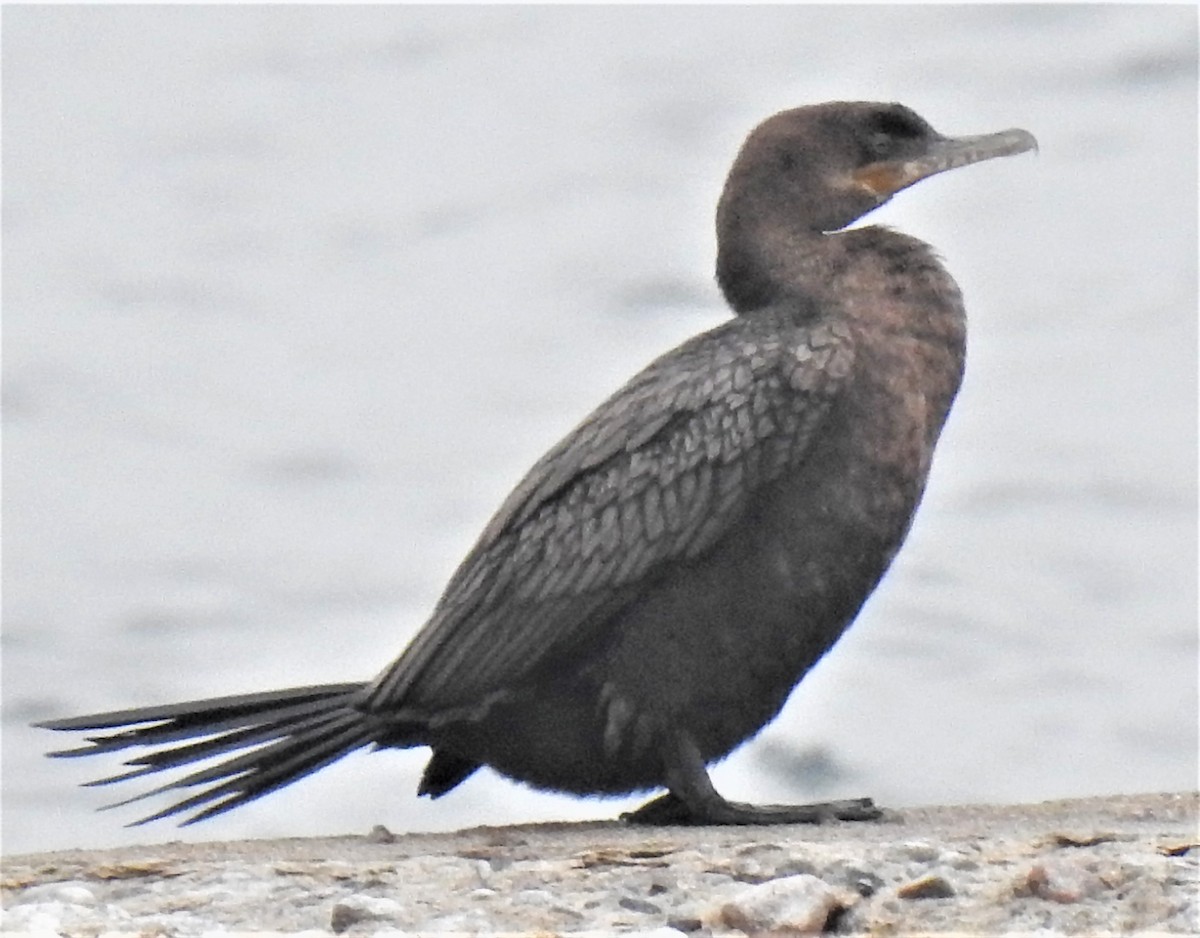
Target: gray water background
[[294, 295]]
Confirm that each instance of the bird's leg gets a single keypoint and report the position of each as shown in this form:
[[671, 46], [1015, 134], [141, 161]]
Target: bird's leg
[[691, 799]]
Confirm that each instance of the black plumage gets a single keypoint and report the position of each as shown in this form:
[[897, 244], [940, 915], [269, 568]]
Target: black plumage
[[648, 596]]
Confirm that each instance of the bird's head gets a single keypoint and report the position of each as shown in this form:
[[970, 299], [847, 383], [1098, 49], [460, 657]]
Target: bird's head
[[822, 167]]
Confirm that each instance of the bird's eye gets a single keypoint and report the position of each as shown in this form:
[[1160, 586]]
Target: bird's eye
[[892, 133], [880, 144]]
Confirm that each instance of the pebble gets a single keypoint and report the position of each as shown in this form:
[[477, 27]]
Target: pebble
[[927, 887], [359, 908], [796, 905], [380, 835], [917, 850], [639, 905], [1063, 882], [863, 882]]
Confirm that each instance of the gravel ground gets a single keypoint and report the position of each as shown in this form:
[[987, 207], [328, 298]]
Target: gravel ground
[[1116, 865]]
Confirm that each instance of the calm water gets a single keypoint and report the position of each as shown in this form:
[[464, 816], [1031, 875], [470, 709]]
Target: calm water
[[294, 295]]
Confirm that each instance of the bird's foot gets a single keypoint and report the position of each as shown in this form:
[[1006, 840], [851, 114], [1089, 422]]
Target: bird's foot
[[668, 810]]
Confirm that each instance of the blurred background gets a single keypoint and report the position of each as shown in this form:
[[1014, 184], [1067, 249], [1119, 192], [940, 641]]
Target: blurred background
[[294, 295]]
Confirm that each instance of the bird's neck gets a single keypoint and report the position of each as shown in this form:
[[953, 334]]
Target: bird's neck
[[757, 269]]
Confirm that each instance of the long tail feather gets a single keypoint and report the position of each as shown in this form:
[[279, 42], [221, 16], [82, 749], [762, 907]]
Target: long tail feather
[[287, 734]]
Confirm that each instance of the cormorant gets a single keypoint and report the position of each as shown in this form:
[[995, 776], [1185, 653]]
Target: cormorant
[[651, 592]]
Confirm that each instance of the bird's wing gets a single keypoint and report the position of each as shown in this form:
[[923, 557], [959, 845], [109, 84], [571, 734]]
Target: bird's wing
[[653, 477]]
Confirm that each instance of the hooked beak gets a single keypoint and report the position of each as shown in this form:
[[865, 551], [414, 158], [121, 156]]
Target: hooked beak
[[885, 179]]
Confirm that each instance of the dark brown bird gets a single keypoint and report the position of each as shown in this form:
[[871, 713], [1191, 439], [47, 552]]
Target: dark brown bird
[[650, 593]]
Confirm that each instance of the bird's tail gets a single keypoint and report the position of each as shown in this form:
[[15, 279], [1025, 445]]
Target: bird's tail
[[289, 733]]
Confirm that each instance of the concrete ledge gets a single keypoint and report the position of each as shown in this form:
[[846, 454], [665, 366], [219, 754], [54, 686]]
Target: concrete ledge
[[1095, 866]]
